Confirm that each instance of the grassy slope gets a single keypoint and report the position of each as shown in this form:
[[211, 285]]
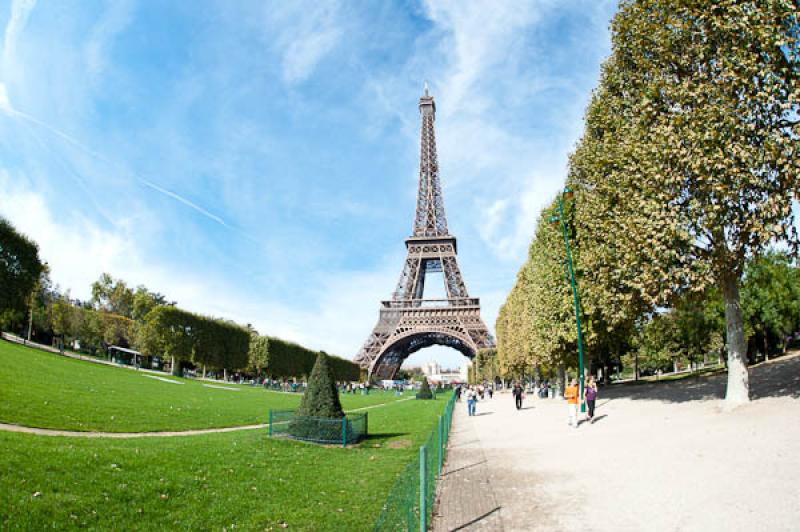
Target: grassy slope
[[208, 482], [200, 482], [40, 389]]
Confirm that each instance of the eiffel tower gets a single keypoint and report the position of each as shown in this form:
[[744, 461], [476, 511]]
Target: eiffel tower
[[408, 322]]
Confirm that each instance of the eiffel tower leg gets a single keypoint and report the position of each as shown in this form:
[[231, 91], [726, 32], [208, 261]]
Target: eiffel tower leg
[[452, 276], [407, 286]]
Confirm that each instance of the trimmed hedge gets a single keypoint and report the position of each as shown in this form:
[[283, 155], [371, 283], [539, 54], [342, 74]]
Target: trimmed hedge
[[287, 359], [173, 332]]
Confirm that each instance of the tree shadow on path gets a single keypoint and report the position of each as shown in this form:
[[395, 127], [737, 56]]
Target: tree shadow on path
[[777, 378]]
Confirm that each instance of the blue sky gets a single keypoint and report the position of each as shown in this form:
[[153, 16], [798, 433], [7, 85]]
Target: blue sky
[[258, 160]]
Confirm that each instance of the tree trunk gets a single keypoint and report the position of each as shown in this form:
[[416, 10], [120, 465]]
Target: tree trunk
[[224, 375], [537, 376], [560, 382], [636, 365], [175, 367], [204, 371], [738, 390]]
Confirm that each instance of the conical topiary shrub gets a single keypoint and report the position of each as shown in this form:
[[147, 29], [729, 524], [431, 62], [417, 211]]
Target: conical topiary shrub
[[425, 390], [319, 406], [321, 398]]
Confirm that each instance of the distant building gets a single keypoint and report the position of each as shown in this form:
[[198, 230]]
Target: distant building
[[431, 368], [438, 375]]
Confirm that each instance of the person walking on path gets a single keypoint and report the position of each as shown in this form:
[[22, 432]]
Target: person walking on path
[[517, 393], [571, 395], [590, 394], [472, 399]]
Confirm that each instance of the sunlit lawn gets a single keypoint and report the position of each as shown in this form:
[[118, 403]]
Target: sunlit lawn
[[41, 389], [239, 480]]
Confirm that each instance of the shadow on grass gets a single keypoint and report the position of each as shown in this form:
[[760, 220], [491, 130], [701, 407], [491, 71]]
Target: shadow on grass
[[778, 378], [382, 437]]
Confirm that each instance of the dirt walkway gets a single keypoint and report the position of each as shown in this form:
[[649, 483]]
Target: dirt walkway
[[658, 457], [164, 434]]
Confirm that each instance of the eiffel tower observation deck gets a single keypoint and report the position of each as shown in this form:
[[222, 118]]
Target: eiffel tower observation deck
[[409, 322]]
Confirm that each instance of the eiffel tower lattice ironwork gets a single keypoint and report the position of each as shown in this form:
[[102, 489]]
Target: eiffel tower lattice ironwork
[[408, 322]]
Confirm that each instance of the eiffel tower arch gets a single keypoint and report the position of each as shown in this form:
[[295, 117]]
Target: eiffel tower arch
[[408, 321]]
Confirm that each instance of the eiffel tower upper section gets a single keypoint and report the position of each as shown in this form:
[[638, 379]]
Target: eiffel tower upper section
[[409, 321], [430, 220]]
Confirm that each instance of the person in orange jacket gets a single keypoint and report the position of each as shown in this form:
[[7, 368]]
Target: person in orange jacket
[[571, 395]]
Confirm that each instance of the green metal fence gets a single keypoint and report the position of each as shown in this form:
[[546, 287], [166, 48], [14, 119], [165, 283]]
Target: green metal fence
[[409, 505], [348, 429]]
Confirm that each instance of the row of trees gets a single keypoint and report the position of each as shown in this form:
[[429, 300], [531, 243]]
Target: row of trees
[[685, 175], [279, 358], [184, 336], [116, 314]]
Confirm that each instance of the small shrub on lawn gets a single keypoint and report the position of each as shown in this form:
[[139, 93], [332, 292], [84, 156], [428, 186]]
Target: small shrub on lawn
[[321, 400], [425, 390]]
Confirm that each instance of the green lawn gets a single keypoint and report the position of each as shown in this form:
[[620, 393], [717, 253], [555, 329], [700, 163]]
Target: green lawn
[[41, 389], [241, 480], [208, 482]]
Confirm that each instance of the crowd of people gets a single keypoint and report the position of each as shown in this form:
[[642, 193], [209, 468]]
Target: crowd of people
[[474, 393]]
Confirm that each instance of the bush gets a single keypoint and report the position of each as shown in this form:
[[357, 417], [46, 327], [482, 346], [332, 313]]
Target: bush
[[425, 390], [320, 400]]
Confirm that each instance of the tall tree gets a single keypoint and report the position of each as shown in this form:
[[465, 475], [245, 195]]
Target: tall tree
[[112, 295], [691, 149], [20, 268]]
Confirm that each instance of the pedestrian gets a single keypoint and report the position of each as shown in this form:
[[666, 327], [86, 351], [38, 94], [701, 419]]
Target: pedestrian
[[472, 400], [517, 393], [571, 395], [590, 395], [490, 390]]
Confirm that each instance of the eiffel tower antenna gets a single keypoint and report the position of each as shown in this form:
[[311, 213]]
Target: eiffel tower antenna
[[409, 322]]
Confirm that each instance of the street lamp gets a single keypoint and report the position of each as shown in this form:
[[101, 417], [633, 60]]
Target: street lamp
[[558, 219]]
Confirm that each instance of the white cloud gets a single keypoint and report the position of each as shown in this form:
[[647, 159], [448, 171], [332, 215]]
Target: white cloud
[[303, 34], [115, 19], [5, 103], [20, 11]]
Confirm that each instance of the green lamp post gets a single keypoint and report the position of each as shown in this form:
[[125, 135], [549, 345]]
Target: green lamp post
[[559, 220]]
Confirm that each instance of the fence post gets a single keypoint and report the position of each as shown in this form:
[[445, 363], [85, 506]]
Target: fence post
[[270, 423], [441, 444], [423, 499], [344, 431]]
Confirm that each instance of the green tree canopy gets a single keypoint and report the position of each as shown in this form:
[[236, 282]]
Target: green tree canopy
[[20, 268], [690, 150]]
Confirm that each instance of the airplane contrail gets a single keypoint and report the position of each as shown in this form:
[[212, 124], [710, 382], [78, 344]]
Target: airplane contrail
[[6, 106]]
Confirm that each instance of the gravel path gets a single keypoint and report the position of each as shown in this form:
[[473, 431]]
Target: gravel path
[[658, 457]]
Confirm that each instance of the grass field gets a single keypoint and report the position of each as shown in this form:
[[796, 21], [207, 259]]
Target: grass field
[[241, 480], [46, 390]]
